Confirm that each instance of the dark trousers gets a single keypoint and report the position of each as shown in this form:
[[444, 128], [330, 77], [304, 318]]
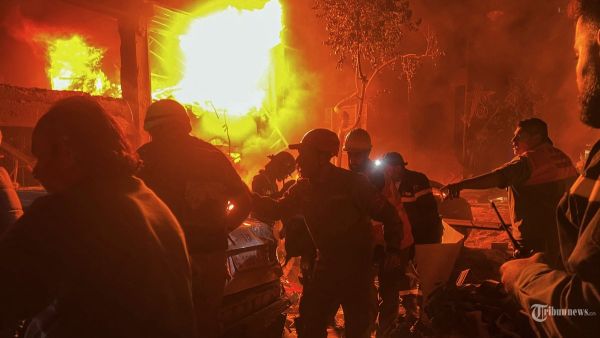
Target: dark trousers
[[210, 272], [326, 291], [390, 284]]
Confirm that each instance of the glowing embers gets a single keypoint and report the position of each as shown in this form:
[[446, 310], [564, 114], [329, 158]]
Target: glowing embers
[[75, 65], [226, 58]]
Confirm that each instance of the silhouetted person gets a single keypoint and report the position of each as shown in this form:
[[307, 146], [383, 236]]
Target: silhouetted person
[[279, 167], [101, 254], [535, 179], [417, 198], [197, 181], [358, 147], [338, 206]]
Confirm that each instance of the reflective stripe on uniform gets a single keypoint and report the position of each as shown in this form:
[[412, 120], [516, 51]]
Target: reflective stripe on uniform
[[423, 192], [417, 292], [418, 194]]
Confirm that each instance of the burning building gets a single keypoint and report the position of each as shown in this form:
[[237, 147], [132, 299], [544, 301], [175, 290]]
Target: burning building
[[254, 74], [228, 62]]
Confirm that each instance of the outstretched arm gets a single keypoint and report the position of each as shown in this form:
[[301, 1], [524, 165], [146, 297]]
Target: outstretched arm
[[513, 172]]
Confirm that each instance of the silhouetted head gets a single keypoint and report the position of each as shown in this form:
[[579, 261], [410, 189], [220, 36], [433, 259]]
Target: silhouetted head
[[281, 165], [587, 51], [315, 150], [167, 117], [77, 140], [394, 165], [358, 146]]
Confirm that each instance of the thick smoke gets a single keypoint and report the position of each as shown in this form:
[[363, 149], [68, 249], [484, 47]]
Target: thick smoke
[[516, 55]]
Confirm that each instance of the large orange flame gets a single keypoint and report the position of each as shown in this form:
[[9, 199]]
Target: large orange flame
[[75, 65]]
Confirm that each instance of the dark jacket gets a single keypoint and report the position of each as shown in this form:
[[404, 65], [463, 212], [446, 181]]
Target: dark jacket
[[338, 208], [536, 181], [196, 181], [108, 254], [577, 285], [421, 207]]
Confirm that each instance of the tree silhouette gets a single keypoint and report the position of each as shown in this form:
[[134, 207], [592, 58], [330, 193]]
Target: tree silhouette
[[368, 34]]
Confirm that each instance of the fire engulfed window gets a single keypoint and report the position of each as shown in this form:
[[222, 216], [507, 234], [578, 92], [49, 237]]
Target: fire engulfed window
[[55, 45], [49, 45]]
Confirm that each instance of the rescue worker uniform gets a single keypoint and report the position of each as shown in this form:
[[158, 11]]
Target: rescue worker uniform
[[338, 208], [413, 194], [105, 258], [536, 181], [420, 205], [390, 281], [196, 180], [577, 284]]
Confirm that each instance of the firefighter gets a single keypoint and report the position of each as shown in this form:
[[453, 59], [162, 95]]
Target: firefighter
[[208, 197], [410, 190], [417, 197], [358, 147], [100, 255], [337, 205], [537, 286], [536, 179], [280, 167]]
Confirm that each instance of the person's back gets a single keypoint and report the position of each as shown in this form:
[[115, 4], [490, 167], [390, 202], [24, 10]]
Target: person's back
[[208, 197], [183, 169], [100, 255], [338, 206], [113, 261], [339, 215]]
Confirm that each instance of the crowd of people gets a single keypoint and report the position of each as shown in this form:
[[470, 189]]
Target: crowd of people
[[133, 244]]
